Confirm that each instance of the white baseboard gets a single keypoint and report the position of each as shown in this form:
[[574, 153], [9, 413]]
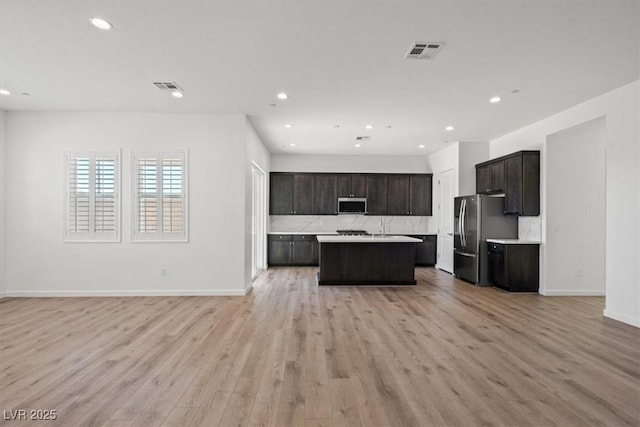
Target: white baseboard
[[622, 318], [140, 293], [572, 293], [248, 288]]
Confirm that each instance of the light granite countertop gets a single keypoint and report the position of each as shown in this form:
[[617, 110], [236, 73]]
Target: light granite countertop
[[513, 242], [374, 238]]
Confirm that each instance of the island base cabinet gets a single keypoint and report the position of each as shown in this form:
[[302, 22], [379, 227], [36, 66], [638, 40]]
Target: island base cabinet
[[514, 267], [367, 264]]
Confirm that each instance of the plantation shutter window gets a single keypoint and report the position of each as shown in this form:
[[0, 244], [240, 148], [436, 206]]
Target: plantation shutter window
[[92, 200], [160, 205]]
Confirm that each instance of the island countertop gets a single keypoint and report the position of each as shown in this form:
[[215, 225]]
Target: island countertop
[[368, 239], [512, 242]]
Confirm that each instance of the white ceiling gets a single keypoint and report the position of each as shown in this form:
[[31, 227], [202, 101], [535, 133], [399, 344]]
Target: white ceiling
[[340, 62]]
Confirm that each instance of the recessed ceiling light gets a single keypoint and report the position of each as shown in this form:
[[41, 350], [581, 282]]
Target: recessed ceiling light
[[282, 95], [4, 92], [449, 128], [177, 94], [292, 145], [101, 23], [368, 127], [288, 126], [357, 145], [420, 146], [495, 100]]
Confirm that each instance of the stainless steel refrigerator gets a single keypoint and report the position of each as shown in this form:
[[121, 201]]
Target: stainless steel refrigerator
[[476, 219]]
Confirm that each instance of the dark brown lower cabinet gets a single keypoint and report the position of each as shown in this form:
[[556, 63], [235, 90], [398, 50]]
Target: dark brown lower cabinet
[[287, 249], [426, 251], [514, 267]]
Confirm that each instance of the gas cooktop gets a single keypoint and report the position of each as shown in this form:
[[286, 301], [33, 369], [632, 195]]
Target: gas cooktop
[[352, 232]]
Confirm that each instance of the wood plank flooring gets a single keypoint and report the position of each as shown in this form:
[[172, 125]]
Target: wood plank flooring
[[442, 353]]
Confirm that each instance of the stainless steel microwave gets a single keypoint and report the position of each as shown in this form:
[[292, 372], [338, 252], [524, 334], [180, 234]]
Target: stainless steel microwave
[[352, 205]]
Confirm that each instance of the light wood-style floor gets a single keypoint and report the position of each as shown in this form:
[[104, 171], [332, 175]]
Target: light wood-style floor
[[441, 353]]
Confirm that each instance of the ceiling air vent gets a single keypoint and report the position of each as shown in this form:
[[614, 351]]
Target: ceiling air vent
[[170, 86], [424, 50], [363, 138]]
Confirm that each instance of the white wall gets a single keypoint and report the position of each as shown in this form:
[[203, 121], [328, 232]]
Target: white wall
[[2, 205], [470, 154], [575, 215], [356, 164], [258, 153], [620, 108], [38, 262]]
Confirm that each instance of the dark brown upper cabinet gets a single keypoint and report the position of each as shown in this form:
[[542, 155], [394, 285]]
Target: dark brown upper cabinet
[[409, 195], [398, 195], [326, 194], [377, 190], [352, 185], [281, 194], [291, 194], [522, 184], [497, 177], [490, 178], [303, 190], [516, 175], [317, 193], [420, 195]]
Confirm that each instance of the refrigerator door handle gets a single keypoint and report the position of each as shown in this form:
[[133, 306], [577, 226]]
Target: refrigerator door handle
[[465, 254], [463, 234], [460, 220]]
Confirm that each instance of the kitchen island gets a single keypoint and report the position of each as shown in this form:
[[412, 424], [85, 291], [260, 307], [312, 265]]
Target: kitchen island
[[367, 260]]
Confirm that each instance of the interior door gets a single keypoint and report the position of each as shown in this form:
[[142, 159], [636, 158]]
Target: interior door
[[446, 194]]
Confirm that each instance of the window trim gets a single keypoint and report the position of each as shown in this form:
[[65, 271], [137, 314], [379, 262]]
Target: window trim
[[160, 236], [92, 236]]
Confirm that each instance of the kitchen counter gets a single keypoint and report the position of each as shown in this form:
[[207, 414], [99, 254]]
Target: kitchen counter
[[304, 233], [512, 242], [374, 238]]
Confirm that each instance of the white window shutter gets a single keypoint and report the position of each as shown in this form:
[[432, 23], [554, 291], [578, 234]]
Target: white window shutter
[[160, 196], [92, 199]]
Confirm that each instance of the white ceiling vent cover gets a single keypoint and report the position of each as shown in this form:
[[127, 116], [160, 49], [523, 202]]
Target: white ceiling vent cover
[[170, 86], [424, 50]]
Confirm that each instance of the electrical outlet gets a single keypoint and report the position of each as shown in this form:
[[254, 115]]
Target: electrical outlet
[[163, 272]]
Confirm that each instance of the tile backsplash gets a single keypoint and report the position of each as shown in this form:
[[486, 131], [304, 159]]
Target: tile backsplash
[[529, 228], [370, 223]]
